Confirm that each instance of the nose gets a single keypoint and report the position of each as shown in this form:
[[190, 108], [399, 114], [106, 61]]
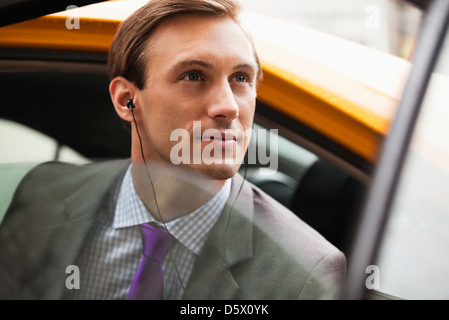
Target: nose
[[223, 105]]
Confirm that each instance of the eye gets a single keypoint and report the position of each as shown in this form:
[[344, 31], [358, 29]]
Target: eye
[[192, 76], [240, 78]]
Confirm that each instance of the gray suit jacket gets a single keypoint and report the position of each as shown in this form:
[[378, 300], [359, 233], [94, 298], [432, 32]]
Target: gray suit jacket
[[257, 249]]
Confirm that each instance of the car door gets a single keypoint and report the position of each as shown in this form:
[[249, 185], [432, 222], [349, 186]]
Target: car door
[[402, 244]]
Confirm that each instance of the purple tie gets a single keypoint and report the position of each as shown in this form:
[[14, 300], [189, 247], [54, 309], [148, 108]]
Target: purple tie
[[148, 282]]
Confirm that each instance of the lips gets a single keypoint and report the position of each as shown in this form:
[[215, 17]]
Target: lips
[[220, 137]]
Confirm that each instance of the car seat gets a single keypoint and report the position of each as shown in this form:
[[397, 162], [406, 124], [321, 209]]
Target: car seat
[[329, 199]]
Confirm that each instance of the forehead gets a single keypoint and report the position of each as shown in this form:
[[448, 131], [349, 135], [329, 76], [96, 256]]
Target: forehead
[[213, 39]]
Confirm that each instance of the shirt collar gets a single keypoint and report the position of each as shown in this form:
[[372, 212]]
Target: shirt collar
[[191, 230]]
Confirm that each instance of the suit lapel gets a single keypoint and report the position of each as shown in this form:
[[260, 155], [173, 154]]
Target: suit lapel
[[229, 243]]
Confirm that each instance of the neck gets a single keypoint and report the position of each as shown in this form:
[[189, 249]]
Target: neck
[[170, 192]]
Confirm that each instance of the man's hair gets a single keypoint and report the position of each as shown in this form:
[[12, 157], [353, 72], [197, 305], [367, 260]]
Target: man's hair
[[128, 52]]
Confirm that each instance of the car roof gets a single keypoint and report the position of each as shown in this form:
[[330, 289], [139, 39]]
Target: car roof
[[345, 91]]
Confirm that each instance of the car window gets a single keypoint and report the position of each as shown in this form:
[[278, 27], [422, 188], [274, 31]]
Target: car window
[[413, 261], [36, 146]]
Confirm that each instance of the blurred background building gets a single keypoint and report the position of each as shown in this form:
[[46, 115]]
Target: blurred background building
[[387, 25]]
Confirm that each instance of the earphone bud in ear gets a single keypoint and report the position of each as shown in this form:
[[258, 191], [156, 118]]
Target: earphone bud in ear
[[130, 104]]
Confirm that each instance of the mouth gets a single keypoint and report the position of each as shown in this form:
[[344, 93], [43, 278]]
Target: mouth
[[221, 138], [219, 146]]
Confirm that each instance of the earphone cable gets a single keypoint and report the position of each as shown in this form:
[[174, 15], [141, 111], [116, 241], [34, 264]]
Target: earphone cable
[[157, 205]]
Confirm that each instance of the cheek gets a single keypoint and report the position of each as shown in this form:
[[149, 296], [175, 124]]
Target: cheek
[[246, 112], [161, 108], [166, 117]]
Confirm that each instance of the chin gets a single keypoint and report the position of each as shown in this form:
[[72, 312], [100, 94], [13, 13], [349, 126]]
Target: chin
[[216, 171]]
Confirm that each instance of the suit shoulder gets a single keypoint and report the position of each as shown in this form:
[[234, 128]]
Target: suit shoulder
[[281, 222], [50, 182], [55, 173], [304, 264], [62, 170]]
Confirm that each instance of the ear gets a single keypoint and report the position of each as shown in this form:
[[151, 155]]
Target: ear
[[121, 91]]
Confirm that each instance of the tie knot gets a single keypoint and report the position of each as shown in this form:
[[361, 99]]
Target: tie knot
[[156, 242]]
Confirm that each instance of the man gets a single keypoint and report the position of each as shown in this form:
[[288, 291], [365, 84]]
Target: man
[[173, 64]]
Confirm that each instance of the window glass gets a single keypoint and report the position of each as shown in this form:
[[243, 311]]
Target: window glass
[[383, 25], [414, 260]]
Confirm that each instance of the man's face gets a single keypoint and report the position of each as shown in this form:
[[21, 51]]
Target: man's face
[[202, 78]]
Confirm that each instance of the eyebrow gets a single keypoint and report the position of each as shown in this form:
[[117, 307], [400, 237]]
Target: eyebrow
[[193, 62], [251, 66], [207, 63]]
